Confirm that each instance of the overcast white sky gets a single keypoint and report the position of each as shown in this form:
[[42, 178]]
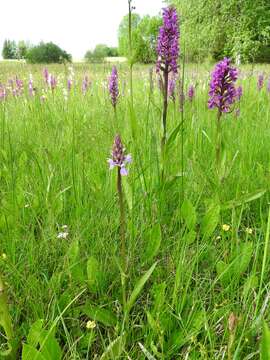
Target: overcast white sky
[[75, 25]]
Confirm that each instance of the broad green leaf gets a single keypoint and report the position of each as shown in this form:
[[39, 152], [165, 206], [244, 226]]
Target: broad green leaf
[[243, 258], [5, 322], [73, 252], [251, 283], [75, 267], [244, 199], [188, 213], [265, 344], [49, 346], [114, 350], [210, 221], [224, 272], [65, 299], [190, 237], [153, 243], [31, 353], [138, 288], [238, 265], [106, 317], [93, 273], [197, 322], [35, 333], [180, 337], [173, 135]]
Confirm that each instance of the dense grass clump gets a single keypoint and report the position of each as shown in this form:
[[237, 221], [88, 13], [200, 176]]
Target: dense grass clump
[[196, 239]]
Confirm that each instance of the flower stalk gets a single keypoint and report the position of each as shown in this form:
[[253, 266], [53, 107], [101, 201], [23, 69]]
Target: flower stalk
[[122, 219], [113, 87], [120, 160], [130, 8], [223, 95]]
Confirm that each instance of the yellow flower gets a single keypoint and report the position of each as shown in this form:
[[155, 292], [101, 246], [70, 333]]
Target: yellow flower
[[4, 256], [226, 227], [90, 324], [249, 231]]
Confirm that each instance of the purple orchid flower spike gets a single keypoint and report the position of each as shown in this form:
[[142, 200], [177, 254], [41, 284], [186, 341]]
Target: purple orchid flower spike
[[69, 84], [31, 87], [239, 92], [113, 86], [260, 82], [3, 93], [119, 159], [222, 86], [85, 85], [46, 75], [168, 42], [191, 92], [53, 82]]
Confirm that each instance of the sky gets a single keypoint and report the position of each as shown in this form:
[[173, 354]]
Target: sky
[[74, 25]]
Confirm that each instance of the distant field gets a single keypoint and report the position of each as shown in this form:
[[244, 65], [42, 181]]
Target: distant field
[[59, 220]]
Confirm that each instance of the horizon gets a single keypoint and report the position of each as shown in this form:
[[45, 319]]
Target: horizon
[[65, 25]]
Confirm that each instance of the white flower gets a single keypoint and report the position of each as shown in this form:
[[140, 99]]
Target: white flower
[[90, 324], [62, 235]]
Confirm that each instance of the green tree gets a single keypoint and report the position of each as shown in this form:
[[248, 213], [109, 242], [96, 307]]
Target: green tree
[[47, 53], [100, 52], [22, 49], [144, 37], [9, 49], [113, 51], [225, 27]]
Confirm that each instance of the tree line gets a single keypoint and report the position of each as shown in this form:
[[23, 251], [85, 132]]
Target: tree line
[[41, 53], [239, 29]]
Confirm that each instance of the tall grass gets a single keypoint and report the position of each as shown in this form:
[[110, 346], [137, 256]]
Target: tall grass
[[182, 286]]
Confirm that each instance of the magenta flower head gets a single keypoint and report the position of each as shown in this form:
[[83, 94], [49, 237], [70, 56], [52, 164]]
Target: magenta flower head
[[3, 93], [191, 92], [119, 158], [19, 83], [268, 85], [85, 85], [239, 92], [31, 87], [53, 82], [260, 82], [171, 88], [46, 75], [113, 86], [222, 86], [69, 84], [168, 42]]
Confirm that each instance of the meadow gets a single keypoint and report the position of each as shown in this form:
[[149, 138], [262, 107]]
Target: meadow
[[196, 282]]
